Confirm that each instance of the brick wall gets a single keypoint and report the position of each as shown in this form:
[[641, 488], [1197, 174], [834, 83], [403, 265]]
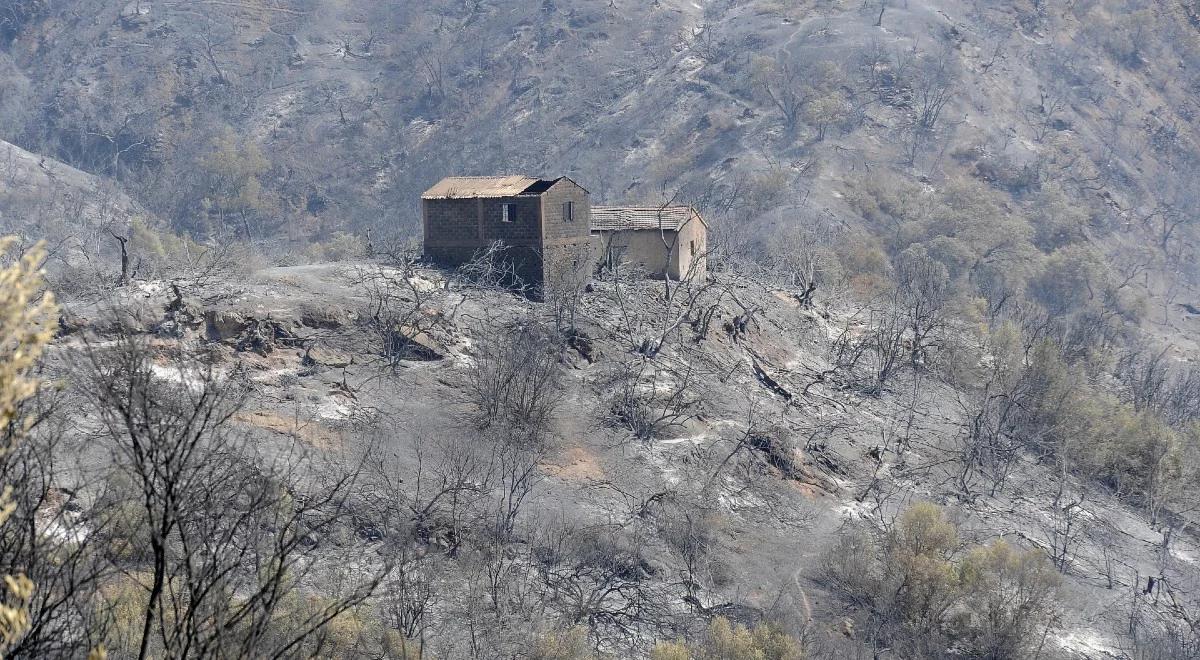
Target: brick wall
[[458, 230], [524, 229], [542, 243]]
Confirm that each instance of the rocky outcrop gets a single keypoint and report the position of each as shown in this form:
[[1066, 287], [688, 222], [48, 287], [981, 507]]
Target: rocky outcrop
[[247, 333], [179, 317], [323, 356], [223, 325]]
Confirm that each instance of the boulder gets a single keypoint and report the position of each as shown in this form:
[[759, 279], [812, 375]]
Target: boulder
[[262, 336], [322, 318], [223, 325], [326, 357], [69, 324], [135, 14], [409, 343]]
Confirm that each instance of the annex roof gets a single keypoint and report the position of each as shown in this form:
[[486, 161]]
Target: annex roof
[[668, 218], [480, 186]]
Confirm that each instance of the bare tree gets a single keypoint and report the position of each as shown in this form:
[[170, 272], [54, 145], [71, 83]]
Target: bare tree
[[216, 519], [987, 444], [1065, 529], [516, 457], [651, 395], [123, 242], [931, 84], [399, 302], [515, 379], [52, 537], [594, 574]]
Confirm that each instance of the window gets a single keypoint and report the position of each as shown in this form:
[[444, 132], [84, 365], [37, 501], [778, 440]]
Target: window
[[569, 211], [508, 212], [692, 245]]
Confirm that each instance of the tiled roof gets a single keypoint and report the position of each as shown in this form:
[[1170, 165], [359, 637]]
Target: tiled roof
[[669, 218], [479, 186]]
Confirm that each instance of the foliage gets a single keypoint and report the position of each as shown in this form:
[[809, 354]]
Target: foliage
[[340, 246], [569, 644], [229, 183], [26, 314], [726, 640], [1010, 596], [924, 594]]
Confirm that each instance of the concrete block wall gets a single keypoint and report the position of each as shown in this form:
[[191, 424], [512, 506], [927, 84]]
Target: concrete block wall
[[541, 242]]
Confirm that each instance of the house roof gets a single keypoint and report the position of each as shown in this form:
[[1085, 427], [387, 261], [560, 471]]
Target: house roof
[[669, 218], [479, 186], [489, 186]]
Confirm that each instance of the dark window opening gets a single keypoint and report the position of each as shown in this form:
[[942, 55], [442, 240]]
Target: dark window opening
[[508, 212], [569, 211], [692, 245]]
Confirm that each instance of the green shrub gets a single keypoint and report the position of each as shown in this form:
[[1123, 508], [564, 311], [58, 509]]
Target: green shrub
[[1009, 596], [927, 595], [569, 644], [732, 641]]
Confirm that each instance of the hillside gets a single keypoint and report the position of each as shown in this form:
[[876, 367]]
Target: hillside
[[299, 127], [757, 443], [355, 108], [266, 428]]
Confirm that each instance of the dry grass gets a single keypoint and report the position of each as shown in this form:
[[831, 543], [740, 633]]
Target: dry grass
[[309, 432], [575, 464]]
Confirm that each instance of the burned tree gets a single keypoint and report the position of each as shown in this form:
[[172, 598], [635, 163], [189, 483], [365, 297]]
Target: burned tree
[[215, 517]]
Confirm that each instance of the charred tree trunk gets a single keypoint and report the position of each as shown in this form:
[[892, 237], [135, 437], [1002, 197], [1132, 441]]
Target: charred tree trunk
[[123, 241]]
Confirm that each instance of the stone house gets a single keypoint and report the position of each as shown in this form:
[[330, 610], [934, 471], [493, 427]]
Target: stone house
[[543, 225], [670, 241]]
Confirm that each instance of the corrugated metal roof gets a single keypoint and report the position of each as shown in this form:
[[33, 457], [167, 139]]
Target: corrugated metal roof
[[479, 186], [617, 218]]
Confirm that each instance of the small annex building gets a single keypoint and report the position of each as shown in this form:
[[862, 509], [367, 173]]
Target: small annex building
[[544, 225], [668, 241]]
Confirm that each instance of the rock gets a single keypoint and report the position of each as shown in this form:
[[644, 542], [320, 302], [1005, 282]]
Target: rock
[[179, 316], [322, 319], [224, 325], [169, 329], [326, 357], [584, 345], [135, 14], [263, 335], [410, 344], [69, 325]]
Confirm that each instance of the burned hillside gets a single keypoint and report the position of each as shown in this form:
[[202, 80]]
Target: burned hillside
[[628, 465], [839, 329]]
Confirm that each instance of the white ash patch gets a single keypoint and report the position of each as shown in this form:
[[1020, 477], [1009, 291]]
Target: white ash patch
[[75, 532], [423, 284], [738, 497], [1088, 644], [171, 373], [665, 467], [695, 440], [1184, 555], [275, 114], [855, 510], [333, 410], [149, 288]]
